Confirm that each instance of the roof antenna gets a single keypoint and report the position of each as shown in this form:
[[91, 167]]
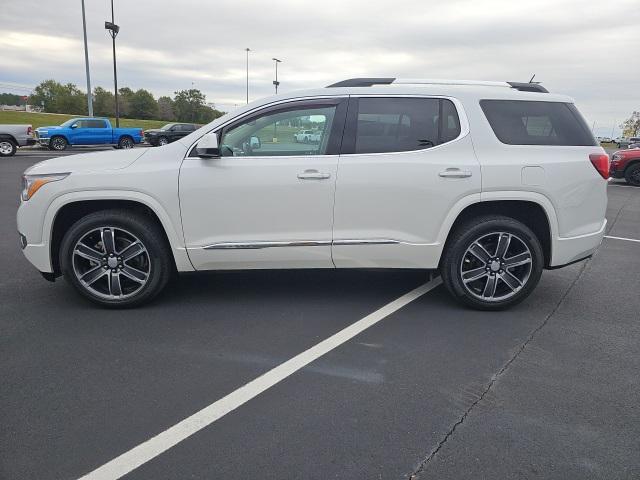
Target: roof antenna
[[534, 76]]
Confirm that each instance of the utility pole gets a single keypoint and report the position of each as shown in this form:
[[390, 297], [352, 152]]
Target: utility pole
[[276, 82], [86, 63], [247, 50], [113, 31]]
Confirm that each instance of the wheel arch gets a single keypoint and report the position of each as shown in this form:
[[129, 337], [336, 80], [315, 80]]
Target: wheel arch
[[62, 214], [8, 136], [531, 213], [630, 163]]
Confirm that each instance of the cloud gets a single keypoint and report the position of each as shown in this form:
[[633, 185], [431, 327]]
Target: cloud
[[577, 47]]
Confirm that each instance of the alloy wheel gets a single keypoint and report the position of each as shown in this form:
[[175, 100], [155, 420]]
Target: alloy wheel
[[496, 266], [162, 141], [6, 148], [58, 143], [111, 263]]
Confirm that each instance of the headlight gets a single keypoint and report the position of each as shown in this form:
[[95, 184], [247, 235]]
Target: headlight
[[32, 183], [615, 158]]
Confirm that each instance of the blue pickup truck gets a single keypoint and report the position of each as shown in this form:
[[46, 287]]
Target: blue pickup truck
[[87, 131]]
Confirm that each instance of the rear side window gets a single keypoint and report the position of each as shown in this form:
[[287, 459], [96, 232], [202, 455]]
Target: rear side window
[[379, 125], [96, 124], [520, 122]]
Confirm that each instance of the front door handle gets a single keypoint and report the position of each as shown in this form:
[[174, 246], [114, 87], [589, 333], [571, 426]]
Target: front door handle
[[313, 175], [455, 173]]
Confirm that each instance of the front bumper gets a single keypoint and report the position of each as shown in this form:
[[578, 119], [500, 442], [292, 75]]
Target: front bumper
[[616, 171], [44, 141]]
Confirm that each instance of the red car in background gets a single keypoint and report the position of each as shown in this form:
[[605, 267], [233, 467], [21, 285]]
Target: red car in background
[[626, 164]]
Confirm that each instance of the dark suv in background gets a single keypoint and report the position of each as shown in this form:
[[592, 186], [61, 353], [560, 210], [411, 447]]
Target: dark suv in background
[[169, 133]]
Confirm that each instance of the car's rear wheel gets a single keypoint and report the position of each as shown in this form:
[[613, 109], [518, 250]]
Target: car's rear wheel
[[116, 258], [492, 262], [163, 141], [126, 142], [58, 143], [632, 175], [7, 148]]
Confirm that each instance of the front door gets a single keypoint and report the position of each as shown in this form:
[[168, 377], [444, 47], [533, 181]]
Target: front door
[[267, 202]]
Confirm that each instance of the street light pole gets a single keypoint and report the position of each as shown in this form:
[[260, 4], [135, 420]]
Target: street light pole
[[113, 31], [247, 50], [86, 63], [276, 82]]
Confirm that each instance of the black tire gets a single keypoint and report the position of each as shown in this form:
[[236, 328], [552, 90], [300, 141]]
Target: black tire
[[457, 257], [632, 174], [126, 142], [155, 261], [162, 141], [58, 143], [8, 147]]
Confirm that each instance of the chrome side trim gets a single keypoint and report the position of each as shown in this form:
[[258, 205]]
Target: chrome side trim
[[299, 243], [258, 245], [374, 241]]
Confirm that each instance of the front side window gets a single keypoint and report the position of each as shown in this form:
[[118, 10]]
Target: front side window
[[290, 131], [521, 122], [402, 124]]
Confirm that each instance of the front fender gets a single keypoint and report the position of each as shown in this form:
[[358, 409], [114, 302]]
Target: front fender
[[172, 231]]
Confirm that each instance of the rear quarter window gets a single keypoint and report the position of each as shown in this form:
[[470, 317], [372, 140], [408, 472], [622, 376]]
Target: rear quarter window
[[522, 122]]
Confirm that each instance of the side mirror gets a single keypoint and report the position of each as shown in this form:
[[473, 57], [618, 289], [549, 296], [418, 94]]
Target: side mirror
[[255, 143], [207, 146], [75, 125]]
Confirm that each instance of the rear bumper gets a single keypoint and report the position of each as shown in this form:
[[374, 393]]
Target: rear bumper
[[572, 249]]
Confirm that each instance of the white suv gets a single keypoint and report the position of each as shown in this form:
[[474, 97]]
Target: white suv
[[491, 182]]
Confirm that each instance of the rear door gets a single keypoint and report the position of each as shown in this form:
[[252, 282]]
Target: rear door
[[405, 162], [97, 132]]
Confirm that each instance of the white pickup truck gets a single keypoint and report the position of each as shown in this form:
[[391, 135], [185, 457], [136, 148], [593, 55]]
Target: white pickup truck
[[307, 136], [14, 136]]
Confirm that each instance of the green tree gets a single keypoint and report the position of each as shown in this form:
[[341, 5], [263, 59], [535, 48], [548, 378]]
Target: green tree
[[10, 99], [143, 105], [125, 96], [187, 104], [165, 109], [59, 98], [103, 103], [631, 126]]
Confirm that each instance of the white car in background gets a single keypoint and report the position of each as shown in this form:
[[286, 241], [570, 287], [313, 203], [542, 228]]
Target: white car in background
[[490, 182], [307, 136]]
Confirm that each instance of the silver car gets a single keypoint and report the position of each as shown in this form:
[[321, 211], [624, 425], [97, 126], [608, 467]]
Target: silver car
[[14, 136]]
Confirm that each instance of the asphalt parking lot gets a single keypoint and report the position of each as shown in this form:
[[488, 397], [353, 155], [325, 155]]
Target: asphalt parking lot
[[432, 390]]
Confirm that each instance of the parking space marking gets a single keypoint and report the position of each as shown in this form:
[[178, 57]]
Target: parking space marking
[[619, 185], [155, 446], [622, 238]]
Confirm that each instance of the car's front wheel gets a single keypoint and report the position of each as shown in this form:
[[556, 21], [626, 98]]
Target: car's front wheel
[[59, 143], [492, 262], [162, 141], [116, 258]]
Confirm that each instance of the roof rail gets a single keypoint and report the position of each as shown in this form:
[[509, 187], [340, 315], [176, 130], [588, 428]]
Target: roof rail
[[362, 82], [368, 82]]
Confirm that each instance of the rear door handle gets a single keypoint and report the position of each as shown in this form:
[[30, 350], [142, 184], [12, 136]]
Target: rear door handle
[[313, 175], [455, 173]]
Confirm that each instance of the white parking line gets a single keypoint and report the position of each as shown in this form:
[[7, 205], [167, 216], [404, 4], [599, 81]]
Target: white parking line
[[621, 185], [622, 238], [153, 447]]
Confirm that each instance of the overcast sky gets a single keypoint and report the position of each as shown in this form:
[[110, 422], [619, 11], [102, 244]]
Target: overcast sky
[[584, 48]]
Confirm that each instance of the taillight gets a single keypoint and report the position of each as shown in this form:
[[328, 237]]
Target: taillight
[[142, 133], [601, 163], [29, 130]]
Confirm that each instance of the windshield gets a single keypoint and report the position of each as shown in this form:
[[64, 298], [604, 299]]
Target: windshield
[[167, 126], [68, 122]]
